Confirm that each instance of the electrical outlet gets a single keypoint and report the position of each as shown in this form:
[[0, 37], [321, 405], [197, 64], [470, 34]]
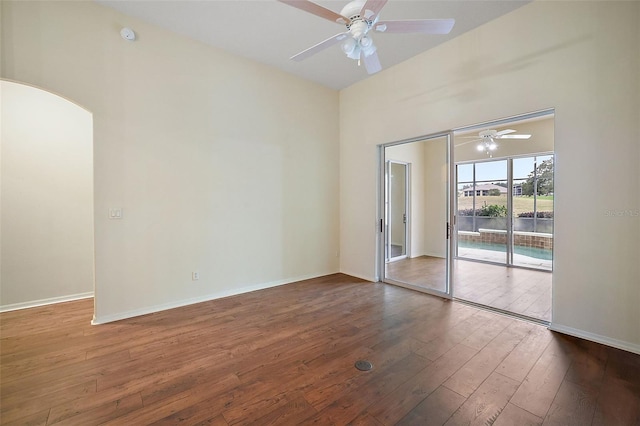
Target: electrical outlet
[[195, 276]]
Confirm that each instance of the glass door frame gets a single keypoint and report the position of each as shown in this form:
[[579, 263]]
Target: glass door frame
[[381, 225]]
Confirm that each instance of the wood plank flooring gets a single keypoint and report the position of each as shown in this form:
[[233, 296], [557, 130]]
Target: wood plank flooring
[[522, 291], [286, 356]]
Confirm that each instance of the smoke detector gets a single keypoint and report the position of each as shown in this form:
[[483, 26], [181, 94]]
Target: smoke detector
[[128, 34]]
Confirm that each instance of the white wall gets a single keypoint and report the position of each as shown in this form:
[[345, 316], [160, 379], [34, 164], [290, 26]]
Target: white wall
[[580, 58], [47, 198], [220, 164], [436, 188]]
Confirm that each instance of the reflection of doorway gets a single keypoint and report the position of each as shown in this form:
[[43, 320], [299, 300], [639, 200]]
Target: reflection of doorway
[[414, 229], [504, 216], [397, 210]]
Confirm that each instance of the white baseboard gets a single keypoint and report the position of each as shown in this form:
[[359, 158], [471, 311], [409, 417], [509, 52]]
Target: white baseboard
[[362, 277], [43, 302], [615, 343], [206, 298]]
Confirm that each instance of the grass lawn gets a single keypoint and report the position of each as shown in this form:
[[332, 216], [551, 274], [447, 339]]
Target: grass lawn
[[520, 204]]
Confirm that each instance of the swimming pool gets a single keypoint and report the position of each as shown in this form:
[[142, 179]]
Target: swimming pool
[[534, 252]]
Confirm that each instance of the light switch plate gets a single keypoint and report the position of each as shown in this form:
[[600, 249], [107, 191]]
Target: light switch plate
[[115, 213]]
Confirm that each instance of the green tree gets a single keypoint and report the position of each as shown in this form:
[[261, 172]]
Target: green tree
[[494, 192], [543, 176]]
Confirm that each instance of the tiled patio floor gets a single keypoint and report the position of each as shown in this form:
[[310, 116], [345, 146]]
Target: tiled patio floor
[[522, 291]]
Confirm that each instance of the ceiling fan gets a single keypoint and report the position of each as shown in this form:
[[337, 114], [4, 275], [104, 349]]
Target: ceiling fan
[[487, 139], [360, 17]]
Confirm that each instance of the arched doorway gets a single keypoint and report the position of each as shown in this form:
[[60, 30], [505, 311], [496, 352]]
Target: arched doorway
[[47, 198]]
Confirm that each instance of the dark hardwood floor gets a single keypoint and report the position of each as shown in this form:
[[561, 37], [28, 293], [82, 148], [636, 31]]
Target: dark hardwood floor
[[286, 356]]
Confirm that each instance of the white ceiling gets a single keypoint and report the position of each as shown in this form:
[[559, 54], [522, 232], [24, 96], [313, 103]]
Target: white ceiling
[[271, 32]]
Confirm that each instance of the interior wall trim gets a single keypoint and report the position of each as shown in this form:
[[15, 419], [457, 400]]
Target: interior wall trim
[[370, 279], [615, 343], [44, 302]]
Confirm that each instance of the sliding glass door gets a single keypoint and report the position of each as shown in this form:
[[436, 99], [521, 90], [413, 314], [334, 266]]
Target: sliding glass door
[[504, 211], [482, 211], [532, 211], [416, 214]]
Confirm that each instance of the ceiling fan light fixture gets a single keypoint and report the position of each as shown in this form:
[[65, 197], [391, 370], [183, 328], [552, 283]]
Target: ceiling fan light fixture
[[348, 46], [367, 14], [355, 53], [487, 145], [487, 141], [361, 16], [369, 50], [359, 29]]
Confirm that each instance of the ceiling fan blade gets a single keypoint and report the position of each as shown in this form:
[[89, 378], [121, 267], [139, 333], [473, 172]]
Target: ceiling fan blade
[[317, 10], [372, 63], [425, 26], [374, 7], [504, 132], [320, 46], [514, 137]]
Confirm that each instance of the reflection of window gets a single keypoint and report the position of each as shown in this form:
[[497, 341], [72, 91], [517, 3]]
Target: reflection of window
[[491, 170], [510, 213], [485, 183], [535, 174]]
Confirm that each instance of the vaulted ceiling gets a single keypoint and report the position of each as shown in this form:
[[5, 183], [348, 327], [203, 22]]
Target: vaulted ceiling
[[271, 32]]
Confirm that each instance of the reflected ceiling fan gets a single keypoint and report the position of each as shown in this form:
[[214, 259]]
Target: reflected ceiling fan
[[487, 139], [360, 17]]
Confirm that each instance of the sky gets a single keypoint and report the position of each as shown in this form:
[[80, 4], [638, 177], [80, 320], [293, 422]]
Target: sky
[[497, 170]]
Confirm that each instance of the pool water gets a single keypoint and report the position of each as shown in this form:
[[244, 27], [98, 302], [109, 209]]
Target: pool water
[[534, 252]]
